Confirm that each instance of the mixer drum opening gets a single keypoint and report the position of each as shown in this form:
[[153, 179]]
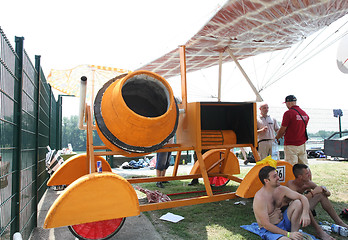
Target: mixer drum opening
[[136, 113], [146, 96]]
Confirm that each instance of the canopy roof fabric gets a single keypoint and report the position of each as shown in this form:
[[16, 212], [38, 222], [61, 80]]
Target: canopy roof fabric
[[342, 55], [248, 28], [68, 80]]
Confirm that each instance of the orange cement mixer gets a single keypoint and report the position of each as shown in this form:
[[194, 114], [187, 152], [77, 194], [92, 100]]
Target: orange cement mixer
[[136, 113]]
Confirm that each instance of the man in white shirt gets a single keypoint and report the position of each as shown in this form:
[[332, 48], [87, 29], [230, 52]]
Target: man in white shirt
[[266, 131]]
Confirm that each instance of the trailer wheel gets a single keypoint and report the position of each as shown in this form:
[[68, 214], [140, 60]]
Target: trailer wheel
[[101, 230], [218, 181]]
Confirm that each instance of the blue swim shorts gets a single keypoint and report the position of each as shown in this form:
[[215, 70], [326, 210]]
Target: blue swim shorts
[[284, 224]]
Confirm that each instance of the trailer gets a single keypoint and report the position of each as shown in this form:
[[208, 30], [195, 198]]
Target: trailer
[[136, 114]]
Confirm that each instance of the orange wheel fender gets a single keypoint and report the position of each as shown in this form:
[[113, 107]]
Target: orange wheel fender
[[73, 168], [93, 197], [251, 182]]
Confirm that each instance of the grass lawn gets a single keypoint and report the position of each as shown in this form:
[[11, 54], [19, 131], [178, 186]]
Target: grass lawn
[[222, 220]]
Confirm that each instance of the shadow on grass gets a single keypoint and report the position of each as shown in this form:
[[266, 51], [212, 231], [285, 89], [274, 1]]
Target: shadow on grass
[[217, 220]]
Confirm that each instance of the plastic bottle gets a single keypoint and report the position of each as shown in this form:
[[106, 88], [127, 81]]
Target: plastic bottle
[[275, 150], [340, 230], [326, 226]]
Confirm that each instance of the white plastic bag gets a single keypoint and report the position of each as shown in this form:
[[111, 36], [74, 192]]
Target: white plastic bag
[[53, 160]]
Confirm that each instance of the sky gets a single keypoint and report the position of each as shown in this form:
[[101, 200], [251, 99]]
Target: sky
[[129, 34]]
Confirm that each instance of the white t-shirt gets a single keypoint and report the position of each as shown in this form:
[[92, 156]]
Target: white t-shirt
[[272, 125]]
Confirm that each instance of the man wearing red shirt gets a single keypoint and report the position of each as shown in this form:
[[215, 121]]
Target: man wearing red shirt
[[293, 129]]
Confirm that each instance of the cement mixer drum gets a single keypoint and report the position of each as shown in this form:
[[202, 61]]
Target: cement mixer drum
[[136, 112]]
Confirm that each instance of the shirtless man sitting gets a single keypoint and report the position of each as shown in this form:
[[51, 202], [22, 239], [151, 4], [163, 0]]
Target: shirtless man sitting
[[268, 202], [315, 194]]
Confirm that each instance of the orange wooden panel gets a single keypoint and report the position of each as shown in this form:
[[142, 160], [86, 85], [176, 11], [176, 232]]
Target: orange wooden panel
[[188, 133], [187, 202], [251, 182], [211, 137], [93, 197], [73, 168], [218, 137]]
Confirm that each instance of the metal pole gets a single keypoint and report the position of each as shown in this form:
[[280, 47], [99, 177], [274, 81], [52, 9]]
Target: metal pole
[[60, 118], [37, 141], [16, 167], [83, 92], [220, 76], [59, 121], [339, 123]]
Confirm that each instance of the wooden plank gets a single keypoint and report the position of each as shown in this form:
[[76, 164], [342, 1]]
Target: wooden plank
[[187, 202], [177, 161]]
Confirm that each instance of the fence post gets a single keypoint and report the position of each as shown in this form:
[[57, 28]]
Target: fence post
[[53, 146], [37, 152], [17, 136], [59, 122], [60, 119]]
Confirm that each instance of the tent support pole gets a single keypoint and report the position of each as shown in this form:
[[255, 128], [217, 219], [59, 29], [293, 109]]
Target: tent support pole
[[258, 96], [183, 77], [220, 76], [82, 106]]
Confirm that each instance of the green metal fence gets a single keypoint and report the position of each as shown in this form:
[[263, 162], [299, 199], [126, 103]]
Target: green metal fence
[[28, 123]]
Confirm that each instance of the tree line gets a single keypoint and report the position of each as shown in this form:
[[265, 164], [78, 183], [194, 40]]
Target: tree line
[[78, 138]]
